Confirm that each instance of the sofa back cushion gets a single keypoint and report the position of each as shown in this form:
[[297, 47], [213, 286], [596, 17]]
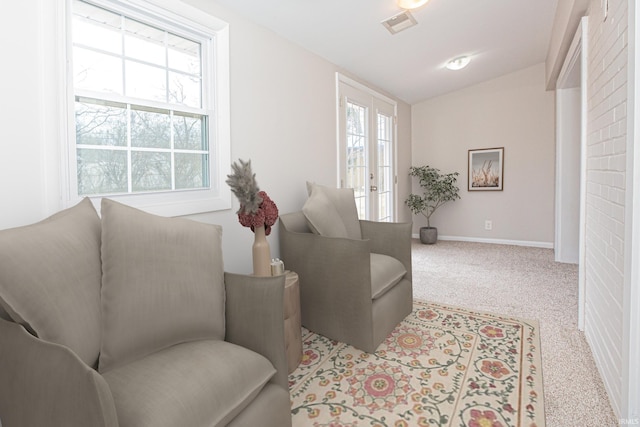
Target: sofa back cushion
[[50, 279], [162, 283], [332, 212]]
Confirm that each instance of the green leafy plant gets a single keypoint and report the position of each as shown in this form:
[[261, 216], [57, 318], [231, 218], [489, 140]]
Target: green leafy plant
[[438, 189]]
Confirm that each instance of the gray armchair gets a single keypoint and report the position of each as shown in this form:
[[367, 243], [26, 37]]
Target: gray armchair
[[129, 320], [353, 290]]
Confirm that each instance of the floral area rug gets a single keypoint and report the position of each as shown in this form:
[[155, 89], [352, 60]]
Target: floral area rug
[[442, 366]]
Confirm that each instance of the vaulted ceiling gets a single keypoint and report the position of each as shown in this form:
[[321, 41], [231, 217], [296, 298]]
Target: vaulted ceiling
[[501, 36]]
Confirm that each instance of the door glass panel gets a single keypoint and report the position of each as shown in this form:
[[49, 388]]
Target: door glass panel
[[357, 155], [385, 140]]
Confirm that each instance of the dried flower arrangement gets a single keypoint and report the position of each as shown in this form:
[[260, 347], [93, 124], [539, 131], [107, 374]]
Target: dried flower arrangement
[[256, 208]]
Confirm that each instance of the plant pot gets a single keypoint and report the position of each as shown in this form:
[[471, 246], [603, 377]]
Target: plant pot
[[428, 235]]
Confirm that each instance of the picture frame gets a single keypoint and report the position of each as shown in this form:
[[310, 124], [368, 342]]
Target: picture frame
[[486, 169]]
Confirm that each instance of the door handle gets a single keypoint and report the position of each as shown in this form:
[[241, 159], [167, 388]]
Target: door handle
[[374, 188]]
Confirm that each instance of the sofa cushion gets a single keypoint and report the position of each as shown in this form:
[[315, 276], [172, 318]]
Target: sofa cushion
[[50, 279], [323, 217], [162, 283], [332, 212], [4, 315], [200, 383], [386, 272], [270, 408]]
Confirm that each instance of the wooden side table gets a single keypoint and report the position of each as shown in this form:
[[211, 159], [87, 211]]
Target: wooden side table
[[292, 321]]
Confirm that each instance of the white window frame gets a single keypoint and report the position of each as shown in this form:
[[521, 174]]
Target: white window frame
[[175, 15]]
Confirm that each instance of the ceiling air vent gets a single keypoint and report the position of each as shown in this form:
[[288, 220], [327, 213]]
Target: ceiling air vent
[[399, 22]]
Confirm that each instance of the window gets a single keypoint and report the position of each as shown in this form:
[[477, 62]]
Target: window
[[149, 117]]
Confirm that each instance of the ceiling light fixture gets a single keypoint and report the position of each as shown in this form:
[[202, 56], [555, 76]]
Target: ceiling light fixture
[[411, 4], [458, 63]]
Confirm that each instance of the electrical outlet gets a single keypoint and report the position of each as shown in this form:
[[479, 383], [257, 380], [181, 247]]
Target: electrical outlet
[[488, 224]]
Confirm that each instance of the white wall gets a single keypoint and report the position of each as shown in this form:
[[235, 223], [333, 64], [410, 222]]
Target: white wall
[[606, 191], [22, 191], [282, 118], [514, 112]]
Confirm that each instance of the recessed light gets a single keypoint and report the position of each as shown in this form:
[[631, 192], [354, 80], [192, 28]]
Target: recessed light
[[458, 63], [411, 4]]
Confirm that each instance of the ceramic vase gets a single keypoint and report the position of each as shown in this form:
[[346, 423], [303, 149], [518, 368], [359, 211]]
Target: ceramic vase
[[261, 253]]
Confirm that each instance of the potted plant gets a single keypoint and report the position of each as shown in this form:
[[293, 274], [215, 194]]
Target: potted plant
[[438, 189]]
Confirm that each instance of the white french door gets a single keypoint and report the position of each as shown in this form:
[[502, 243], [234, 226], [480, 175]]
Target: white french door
[[367, 130]]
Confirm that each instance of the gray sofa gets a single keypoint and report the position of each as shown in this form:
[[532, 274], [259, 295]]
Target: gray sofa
[[130, 320], [355, 276]]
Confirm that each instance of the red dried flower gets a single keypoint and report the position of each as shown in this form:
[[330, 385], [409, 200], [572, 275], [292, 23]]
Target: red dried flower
[[266, 215]]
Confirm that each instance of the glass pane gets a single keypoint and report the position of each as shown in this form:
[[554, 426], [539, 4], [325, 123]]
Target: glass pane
[[101, 124], [385, 205], [96, 71], [101, 171], [357, 155], [144, 43], [184, 55], [97, 35], [192, 170], [145, 81], [150, 171], [188, 132], [150, 128], [96, 14], [184, 89], [356, 164]]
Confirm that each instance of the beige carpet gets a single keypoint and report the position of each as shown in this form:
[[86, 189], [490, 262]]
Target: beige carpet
[[523, 282]]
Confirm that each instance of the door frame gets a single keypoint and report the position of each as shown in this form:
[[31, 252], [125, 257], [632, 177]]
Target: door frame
[[343, 79], [577, 55], [631, 308]]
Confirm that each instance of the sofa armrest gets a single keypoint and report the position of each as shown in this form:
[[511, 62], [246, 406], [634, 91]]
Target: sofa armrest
[[46, 384], [390, 238], [255, 318]]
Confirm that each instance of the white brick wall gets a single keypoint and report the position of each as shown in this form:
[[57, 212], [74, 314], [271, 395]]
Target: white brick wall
[[606, 171]]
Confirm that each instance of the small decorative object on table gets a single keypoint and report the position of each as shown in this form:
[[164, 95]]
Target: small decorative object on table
[[277, 268], [257, 211]]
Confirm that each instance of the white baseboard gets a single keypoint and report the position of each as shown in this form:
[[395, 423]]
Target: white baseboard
[[545, 245]]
